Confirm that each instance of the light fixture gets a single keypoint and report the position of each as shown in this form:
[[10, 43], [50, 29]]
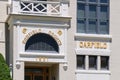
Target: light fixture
[[11, 69], [65, 66], [18, 65]]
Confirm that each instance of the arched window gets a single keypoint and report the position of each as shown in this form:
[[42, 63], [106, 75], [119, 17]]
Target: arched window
[[41, 42]]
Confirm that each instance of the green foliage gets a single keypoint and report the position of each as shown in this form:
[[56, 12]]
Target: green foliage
[[2, 59], [4, 69]]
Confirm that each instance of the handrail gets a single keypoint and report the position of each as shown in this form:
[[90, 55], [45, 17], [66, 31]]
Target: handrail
[[34, 7], [47, 2]]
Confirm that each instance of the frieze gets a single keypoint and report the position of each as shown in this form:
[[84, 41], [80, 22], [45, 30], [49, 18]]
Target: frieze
[[96, 45], [33, 32]]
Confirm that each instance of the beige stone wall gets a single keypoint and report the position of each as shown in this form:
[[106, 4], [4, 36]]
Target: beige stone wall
[[3, 10], [115, 32], [71, 45], [2, 32], [3, 16]]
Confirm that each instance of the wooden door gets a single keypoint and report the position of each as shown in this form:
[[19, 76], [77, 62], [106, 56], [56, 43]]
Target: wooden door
[[32, 73]]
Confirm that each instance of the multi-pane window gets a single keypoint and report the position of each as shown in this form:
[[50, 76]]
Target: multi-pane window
[[81, 61], [81, 0], [41, 43], [92, 0], [92, 12], [93, 16], [104, 62], [92, 26], [81, 24], [104, 1], [103, 28], [81, 10], [103, 12], [92, 62]]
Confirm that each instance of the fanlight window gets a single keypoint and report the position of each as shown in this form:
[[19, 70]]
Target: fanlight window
[[41, 43]]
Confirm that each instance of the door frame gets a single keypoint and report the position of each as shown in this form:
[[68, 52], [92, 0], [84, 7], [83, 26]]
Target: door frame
[[32, 74]]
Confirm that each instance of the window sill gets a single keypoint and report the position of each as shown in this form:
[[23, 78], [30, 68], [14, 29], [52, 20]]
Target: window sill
[[41, 57], [31, 54], [92, 52], [82, 36], [92, 72]]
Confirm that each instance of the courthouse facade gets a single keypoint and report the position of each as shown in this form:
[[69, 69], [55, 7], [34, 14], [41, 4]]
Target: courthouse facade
[[60, 39]]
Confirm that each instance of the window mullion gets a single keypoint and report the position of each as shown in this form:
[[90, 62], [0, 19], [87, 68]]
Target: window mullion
[[86, 62], [98, 18], [98, 1], [87, 16], [108, 18], [98, 63]]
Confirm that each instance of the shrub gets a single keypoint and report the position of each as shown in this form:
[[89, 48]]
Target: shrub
[[4, 69], [2, 59]]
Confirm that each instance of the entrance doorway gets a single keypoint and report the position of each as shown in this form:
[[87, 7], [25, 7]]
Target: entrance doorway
[[36, 73]]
